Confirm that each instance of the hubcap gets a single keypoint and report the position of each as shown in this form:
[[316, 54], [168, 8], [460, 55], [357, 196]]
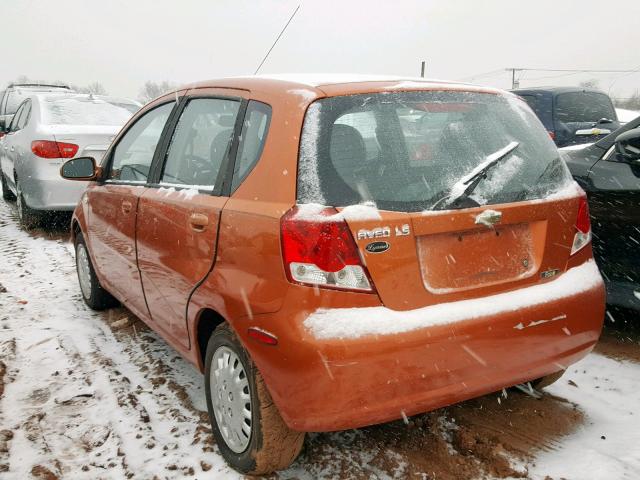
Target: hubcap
[[84, 270], [231, 398]]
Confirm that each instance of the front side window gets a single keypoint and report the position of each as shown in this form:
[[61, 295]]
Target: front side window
[[200, 143], [252, 138], [412, 151], [133, 155]]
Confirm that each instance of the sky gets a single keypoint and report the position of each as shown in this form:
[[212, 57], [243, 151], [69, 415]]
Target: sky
[[124, 43]]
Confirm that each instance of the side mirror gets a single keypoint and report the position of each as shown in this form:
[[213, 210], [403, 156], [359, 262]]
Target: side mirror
[[4, 123], [81, 168], [628, 147]]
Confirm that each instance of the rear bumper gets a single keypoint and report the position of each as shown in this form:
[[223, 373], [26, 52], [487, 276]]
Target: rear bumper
[[335, 384]]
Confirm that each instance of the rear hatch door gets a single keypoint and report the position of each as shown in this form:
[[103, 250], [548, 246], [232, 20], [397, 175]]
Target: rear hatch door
[[417, 259]]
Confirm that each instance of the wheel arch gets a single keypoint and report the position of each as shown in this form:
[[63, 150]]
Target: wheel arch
[[207, 321], [75, 229]]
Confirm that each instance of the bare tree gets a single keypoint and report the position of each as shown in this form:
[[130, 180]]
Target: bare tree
[[631, 103], [151, 90], [97, 88]]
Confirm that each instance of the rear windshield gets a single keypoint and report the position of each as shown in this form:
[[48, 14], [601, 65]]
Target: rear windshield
[[83, 111], [412, 151], [579, 107]]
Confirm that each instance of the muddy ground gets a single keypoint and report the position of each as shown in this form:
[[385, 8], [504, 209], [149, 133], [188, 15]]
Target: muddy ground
[[99, 395]]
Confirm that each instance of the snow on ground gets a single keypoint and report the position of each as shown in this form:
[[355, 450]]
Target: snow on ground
[[625, 115], [607, 446], [87, 395]]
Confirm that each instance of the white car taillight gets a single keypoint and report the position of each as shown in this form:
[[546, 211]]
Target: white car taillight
[[583, 227]]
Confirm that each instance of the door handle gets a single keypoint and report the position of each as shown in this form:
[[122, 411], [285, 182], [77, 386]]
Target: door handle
[[126, 206], [198, 222]]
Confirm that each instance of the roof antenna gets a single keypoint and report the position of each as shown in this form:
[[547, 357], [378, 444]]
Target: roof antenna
[[278, 38]]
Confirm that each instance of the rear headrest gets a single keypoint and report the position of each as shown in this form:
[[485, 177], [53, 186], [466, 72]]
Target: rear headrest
[[347, 146]]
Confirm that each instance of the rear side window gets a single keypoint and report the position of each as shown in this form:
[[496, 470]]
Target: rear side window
[[200, 142], [252, 138], [133, 155], [409, 151], [24, 115], [17, 117], [578, 107]]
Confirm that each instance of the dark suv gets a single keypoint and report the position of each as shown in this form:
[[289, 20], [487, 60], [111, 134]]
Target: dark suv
[[572, 115]]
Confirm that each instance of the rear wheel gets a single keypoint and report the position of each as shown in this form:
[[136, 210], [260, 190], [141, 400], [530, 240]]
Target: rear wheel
[[29, 217], [6, 193], [247, 426], [96, 297]]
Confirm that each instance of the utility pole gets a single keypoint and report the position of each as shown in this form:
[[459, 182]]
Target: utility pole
[[514, 83], [423, 68]]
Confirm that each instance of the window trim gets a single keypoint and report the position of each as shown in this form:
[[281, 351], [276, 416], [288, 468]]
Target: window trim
[[27, 104], [109, 155], [243, 177], [223, 181]]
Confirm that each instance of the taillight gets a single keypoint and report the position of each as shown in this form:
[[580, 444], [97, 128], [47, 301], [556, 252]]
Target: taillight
[[583, 227], [319, 250], [552, 135], [51, 149]]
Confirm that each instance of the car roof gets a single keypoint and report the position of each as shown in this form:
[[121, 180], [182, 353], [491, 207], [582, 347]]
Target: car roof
[[315, 85]]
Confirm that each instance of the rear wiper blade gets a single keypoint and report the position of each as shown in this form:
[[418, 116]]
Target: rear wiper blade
[[467, 184]]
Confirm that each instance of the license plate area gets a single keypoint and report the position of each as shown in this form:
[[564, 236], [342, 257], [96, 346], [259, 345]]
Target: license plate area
[[457, 261]]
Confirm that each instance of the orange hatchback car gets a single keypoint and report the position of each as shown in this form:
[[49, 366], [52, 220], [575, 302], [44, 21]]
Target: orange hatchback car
[[340, 252]]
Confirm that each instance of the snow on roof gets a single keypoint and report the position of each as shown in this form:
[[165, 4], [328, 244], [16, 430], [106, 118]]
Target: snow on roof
[[318, 79], [315, 80]]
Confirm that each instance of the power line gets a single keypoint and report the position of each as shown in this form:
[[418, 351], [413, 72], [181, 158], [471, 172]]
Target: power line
[[481, 75], [277, 38], [570, 70]]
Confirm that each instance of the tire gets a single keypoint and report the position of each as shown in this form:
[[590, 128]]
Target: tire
[[6, 193], [270, 445], [29, 218], [96, 297]]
